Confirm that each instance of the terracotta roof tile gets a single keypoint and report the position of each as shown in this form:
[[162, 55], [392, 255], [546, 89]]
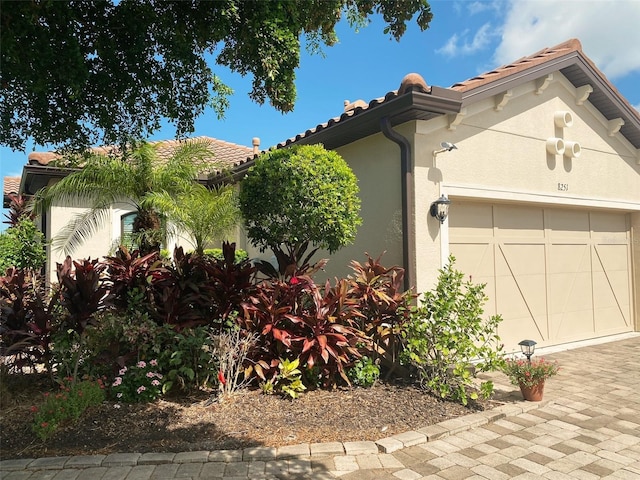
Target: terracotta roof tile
[[226, 152], [524, 63], [11, 185]]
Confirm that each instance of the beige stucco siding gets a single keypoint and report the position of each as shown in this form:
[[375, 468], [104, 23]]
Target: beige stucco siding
[[376, 163], [553, 236]]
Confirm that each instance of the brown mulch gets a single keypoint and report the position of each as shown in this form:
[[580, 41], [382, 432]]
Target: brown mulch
[[244, 420]]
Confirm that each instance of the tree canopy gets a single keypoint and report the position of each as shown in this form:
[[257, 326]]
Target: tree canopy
[[296, 196], [81, 72]]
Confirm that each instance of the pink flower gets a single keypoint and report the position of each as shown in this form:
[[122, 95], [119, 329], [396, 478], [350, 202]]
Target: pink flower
[[150, 374], [141, 364], [155, 383], [153, 363], [117, 382], [294, 281], [122, 371], [141, 389]]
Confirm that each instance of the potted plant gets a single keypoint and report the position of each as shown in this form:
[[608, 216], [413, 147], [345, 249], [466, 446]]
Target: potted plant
[[530, 375]]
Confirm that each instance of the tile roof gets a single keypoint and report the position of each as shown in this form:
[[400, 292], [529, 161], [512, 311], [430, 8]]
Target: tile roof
[[11, 185], [524, 63], [565, 56], [225, 152]]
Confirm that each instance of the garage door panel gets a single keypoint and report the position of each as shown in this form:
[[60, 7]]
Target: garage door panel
[[568, 224], [569, 258], [609, 225], [611, 258], [472, 220], [561, 275], [570, 326], [519, 222]]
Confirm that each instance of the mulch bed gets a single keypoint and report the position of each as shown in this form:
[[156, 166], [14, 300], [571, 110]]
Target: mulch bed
[[244, 420]]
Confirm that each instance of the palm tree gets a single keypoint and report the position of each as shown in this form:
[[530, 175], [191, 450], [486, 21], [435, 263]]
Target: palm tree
[[204, 215], [129, 178]]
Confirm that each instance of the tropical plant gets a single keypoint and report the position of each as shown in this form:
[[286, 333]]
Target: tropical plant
[[295, 320], [125, 177], [383, 304], [82, 290], [529, 373], [26, 319], [204, 215], [19, 209], [300, 196], [448, 341]]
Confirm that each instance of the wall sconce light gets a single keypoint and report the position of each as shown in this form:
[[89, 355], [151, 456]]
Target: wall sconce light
[[440, 208], [527, 347]]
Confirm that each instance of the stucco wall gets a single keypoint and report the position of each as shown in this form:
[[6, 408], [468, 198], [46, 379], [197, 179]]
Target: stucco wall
[[376, 163], [502, 156]]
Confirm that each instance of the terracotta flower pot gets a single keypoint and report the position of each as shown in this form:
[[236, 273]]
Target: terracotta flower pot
[[534, 393]]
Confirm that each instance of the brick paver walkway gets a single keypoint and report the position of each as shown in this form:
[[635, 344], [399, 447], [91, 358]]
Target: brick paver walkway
[[587, 427]]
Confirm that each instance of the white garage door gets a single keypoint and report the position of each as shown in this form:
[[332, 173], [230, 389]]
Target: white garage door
[[555, 275]]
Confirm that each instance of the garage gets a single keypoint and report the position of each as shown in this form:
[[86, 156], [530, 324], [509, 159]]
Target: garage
[[555, 275]]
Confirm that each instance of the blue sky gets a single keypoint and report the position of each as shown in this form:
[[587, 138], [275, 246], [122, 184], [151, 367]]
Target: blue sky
[[465, 38]]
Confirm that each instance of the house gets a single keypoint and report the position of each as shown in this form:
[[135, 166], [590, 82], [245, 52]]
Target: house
[[543, 184], [544, 188], [41, 170]]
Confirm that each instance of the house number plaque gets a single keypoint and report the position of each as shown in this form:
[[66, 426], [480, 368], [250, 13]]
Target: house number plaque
[[563, 187]]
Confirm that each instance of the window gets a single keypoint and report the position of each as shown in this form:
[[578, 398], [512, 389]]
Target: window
[[126, 229]]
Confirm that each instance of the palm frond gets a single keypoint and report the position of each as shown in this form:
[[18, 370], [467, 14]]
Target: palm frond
[[81, 228]]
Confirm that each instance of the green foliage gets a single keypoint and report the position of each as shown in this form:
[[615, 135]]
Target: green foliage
[[106, 85], [204, 215], [22, 246], [217, 254], [364, 372], [297, 196], [139, 383], [68, 404], [188, 360], [130, 176], [448, 341], [529, 374]]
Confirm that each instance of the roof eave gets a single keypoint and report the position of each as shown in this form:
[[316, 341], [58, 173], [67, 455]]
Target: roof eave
[[596, 79]]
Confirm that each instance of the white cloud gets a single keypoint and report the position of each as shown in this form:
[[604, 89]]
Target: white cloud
[[460, 45], [608, 30]]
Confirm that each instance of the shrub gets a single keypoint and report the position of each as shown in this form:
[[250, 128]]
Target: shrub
[[447, 333], [218, 254], [68, 404], [26, 319], [188, 359], [288, 381], [139, 383], [297, 321], [22, 246], [231, 350], [298, 196]]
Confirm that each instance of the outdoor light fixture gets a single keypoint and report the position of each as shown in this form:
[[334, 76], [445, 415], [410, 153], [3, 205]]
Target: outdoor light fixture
[[440, 209], [527, 347], [446, 147]]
